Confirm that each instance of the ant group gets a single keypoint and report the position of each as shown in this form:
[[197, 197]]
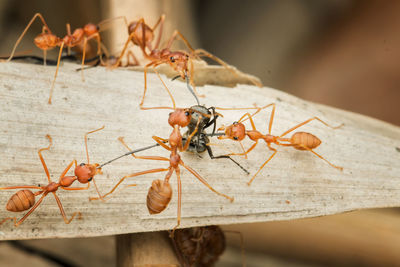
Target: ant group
[[142, 35], [299, 140], [25, 199], [160, 192]]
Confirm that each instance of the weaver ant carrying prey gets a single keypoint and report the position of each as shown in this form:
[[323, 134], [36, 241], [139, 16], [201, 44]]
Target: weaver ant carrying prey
[[160, 193]]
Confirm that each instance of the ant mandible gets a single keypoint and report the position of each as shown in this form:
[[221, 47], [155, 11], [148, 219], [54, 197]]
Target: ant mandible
[[25, 199], [299, 140], [47, 40], [160, 192]]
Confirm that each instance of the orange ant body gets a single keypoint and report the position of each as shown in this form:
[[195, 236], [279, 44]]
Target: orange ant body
[[160, 192], [47, 40], [142, 35], [299, 140], [25, 199]]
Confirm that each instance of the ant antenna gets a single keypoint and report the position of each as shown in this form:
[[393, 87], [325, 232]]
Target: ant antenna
[[215, 134], [190, 88], [127, 154], [240, 166], [176, 77]]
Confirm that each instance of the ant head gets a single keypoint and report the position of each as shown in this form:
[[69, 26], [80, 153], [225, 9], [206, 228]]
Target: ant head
[[236, 131], [90, 29], [138, 33], [179, 62], [180, 117], [46, 41], [85, 172]]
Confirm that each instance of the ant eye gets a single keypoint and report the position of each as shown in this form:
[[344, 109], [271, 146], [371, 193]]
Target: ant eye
[[187, 113], [82, 164], [235, 138], [90, 179], [235, 122], [172, 59]]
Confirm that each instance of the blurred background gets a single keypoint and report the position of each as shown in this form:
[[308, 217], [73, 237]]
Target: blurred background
[[343, 53]]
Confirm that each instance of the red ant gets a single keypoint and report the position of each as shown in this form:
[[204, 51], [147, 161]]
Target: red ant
[[47, 40], [142, 35], [299, 140], [160, 192], [25, 199]]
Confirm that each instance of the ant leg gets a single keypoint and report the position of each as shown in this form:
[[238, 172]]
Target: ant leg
[[83, 57], [67, 169], [16, 224], [55, 75], [262, 166], [121, 139], [21, 187], [162, 141], [173, 38], [179, 184], [111, 19], [201, 179], [44, 50], [243, 149], [97, 189], [210, 153], [131, 36], [160, 23], [76, 188], [245, 152], [131, 55], [204, 53], [69, 34], [42, 159], [152, 64], [321, 157], [66, 220], [307, 121], [191, 136], [271, 119], [86, 147], [45, 57], [251, 120], [37, 15], [128, 176]]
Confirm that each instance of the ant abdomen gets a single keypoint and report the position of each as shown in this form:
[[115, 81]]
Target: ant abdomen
[[303, 140], [159, 196], [21, 201], [46, 41]]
